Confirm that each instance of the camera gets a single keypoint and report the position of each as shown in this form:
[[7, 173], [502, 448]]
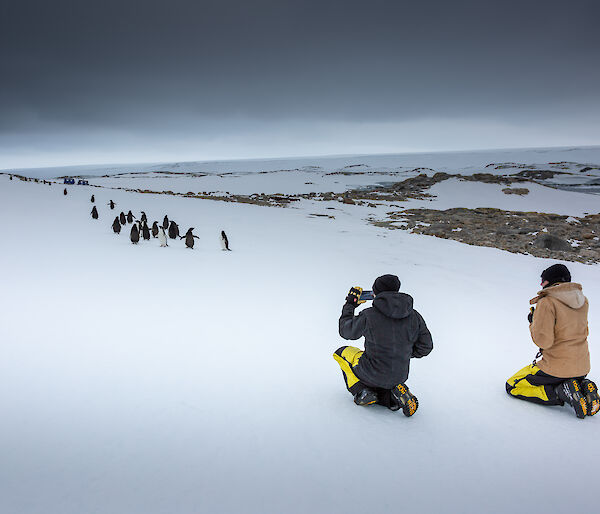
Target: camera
[[366, 295]]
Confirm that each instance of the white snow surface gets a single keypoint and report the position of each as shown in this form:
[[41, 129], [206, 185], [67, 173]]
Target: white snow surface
[[471, 195], [465, 162], [140, 379]]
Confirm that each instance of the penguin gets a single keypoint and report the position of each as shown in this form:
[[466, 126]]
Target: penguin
[[93, 199], [165, 224], [112, 205], [138, 226], [116, 226], [65, 192], [162, 237], [224, 241], [154, 229], [11, 177], [122, 218], [145, 232], [189, 238], [94, 213], [173, 230], [129, 217], [143, 218], [134, 235]]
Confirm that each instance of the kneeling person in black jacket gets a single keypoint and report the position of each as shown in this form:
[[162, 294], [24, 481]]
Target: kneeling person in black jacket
[[394, 333]]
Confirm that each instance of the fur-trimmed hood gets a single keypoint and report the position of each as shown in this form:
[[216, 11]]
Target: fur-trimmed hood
[[568, 293]]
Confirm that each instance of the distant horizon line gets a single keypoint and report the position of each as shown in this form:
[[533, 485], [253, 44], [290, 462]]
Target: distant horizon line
[[321, 156]]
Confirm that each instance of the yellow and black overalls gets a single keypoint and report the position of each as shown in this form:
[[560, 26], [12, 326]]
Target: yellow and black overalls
[[533, 385], [347, 357]]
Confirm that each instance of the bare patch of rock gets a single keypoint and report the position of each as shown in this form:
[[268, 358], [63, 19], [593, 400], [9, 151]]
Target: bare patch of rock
[[534, 233]]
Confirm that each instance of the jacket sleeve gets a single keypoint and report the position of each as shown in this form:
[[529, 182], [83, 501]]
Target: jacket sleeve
[[351, 326], [542, 326], [424, 343]]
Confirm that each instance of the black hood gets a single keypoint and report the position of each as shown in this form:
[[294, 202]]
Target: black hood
[[393, 305]]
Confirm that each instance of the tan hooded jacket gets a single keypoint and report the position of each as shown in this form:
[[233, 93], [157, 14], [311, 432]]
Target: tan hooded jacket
[[560, 329]]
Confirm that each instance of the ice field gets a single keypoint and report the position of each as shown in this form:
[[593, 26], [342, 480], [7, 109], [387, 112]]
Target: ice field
[[140, 379]]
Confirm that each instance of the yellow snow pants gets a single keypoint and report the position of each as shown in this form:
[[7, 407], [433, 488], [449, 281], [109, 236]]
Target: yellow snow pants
[[347, 357], [533, 385]]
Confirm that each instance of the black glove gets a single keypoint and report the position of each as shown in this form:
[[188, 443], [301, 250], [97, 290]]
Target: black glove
[[353, 297], [530, 315]]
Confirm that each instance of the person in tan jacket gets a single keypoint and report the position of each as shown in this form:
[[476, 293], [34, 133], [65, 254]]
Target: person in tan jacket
[[559, 327]]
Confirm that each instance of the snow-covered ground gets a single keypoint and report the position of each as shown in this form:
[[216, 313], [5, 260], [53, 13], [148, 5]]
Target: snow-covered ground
[[442, 161], [140, 379], [471, 195]]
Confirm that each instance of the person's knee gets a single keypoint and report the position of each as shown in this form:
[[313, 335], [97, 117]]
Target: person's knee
[[339, 351]]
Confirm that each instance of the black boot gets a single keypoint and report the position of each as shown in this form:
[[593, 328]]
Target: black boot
[[570, 392], [405, 399], [589, 389], [393, 404], [365, 397]]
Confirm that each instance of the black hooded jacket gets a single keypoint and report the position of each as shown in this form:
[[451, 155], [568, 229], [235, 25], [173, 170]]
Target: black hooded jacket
[[394, 332]]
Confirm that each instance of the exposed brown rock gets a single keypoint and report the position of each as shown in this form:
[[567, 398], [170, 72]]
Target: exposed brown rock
[[521, 191], [513, 231]]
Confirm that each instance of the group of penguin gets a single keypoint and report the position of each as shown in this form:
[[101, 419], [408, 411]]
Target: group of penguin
[[139, 228]]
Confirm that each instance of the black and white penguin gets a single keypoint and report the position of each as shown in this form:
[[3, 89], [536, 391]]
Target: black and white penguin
[[145, 231], [189, 238], [122, 218], [11, 177], [138, 226], [224, 241], [112, 205], [116, 226], [94, 213], [165, 224], [134, 235], [162, 237], [155, 229], [143, 218], [173, 230], [129, 217], [65, 192], [93, 199]]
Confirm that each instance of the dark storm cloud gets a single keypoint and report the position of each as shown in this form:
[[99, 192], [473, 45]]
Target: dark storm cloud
[[153, 80], [151, 63]]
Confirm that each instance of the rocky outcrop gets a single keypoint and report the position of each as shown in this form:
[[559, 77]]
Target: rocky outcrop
[[551, 242], [534, 233], [521, 191]]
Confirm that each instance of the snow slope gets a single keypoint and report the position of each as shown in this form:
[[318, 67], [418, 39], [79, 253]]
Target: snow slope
[[471, 195], [139, 379]]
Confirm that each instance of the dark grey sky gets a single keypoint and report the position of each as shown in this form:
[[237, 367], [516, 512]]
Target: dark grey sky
[[94, 81]]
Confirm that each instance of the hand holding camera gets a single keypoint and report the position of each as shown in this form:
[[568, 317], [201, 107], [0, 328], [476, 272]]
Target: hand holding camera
[[353, 297], [356, 296]]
